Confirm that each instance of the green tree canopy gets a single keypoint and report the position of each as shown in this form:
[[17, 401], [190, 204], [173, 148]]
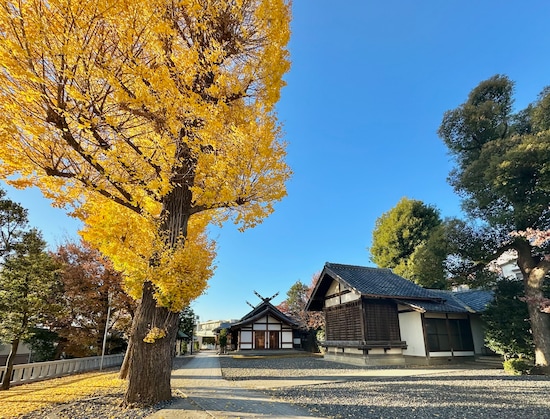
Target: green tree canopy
[[296, 301], [507, 319], [187, 321], [502, 173], [408, 239], [223, 340], [427, 265], [28, 283], [503, 159], [13, 222]]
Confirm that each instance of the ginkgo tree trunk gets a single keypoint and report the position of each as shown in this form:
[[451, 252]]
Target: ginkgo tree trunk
[[149, 120]]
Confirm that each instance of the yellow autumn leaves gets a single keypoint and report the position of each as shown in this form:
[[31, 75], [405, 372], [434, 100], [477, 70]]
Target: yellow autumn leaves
[[137, 248], [35, 396], [109, 107]]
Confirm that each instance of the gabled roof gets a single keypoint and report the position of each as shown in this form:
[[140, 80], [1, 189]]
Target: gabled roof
[[261, 310], [383, 283], [369, 282]]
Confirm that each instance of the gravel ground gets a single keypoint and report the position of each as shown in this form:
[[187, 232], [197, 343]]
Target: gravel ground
[[95, 407], [470, 393]]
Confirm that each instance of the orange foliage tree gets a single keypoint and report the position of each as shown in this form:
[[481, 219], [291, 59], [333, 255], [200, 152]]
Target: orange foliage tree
[[295, 305], [149, 120], [90, 286]]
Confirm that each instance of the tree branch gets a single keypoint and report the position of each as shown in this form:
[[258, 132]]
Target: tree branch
[[88, 183], [59, 122], [219, 205]]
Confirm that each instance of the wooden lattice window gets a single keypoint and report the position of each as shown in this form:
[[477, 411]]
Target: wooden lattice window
[[382, 320], [343, 322]]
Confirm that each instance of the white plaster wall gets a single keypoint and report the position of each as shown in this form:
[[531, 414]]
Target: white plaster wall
[[333, 289], [478, 334], [350, 296], [287, 340], [336, 288], [334, 301], [410, 326]]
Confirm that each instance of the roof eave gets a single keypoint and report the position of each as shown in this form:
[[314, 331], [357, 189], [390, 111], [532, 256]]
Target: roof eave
[[413, 306], [403, 297]]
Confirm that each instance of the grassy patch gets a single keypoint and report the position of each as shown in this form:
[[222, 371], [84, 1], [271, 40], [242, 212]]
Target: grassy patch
[[34, 396]]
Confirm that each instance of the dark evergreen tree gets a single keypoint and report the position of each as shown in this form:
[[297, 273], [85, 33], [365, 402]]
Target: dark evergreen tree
[[507, 318], [28, 285], [409, 239], [502, 173]]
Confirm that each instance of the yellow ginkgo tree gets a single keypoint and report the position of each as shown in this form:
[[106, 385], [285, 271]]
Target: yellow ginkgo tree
[[148, 120]]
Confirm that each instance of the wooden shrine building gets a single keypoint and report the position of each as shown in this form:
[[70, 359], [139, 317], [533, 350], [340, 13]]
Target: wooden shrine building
[[376, 317], [265, 327]]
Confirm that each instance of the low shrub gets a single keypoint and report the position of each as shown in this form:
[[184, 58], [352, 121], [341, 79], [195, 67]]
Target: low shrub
[[517, 366]]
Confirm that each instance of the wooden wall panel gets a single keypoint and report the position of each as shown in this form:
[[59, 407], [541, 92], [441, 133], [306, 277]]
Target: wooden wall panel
[[343, 322], [382, 320]]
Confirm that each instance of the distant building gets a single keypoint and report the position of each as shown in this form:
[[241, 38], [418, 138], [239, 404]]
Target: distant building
[[509, 266], [205, 332], [23, 354], [265, 327]]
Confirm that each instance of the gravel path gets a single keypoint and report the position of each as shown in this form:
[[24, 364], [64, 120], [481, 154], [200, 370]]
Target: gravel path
[[460, 393]]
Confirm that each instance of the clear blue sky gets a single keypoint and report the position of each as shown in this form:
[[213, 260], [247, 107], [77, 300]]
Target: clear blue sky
[[369, 84]]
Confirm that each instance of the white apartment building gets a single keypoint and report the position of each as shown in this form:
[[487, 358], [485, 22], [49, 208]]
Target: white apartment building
[[205, 335]]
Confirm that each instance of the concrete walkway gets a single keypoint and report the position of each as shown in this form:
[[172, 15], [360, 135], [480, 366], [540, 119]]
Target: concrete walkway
[[207, 395]]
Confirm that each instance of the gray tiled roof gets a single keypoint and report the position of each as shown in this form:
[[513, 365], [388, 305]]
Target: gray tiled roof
[[378, 282], [445, 306], [471, 301], [474, 300], [383, 283]]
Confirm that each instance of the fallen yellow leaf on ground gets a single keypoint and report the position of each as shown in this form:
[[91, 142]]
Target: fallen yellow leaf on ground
[[33, 396]]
